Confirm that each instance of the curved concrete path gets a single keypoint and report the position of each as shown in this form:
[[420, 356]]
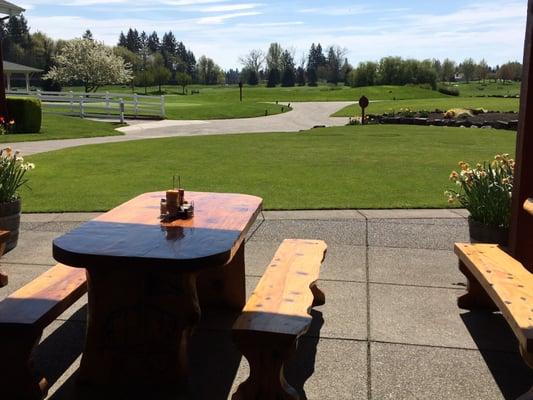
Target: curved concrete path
[[303, 116]]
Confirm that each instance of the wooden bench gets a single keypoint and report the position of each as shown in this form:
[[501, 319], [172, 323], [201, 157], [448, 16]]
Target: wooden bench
[[23, 316], [276, 315], [4, 235]]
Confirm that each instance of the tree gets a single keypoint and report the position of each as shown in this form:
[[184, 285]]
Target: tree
[[273, 57], [88, 35], [183, 80], [133, 41], [137, 66], [511, 71], [366, 74], [153, 42], [168, 50], [468, 68], [273, 77], [312, 78], [448, 70], [288, 77], [122, 42], [253, 61], [483, 70], [334, 64], [208, 72], [300, 76], [159, 72], [91, 63]]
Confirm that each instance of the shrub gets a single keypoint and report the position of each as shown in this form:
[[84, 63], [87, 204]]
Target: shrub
[[450, 91], [485, 191], [27, 114]]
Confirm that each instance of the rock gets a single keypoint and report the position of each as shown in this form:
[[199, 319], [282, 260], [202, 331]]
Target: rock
[[475, 126]]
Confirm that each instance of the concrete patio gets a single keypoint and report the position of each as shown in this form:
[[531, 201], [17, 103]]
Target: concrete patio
[[390, 328]]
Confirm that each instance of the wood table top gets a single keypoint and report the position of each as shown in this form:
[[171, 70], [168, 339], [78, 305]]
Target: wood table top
[[132, 235]]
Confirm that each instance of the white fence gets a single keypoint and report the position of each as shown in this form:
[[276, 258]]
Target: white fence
[[81, 104]]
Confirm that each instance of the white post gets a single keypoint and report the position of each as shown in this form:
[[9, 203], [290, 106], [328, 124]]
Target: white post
[[27, 83], [82, 114], [162, 106], [71, 102], [9, 82], [136, 104], [121, 111], [107, 102]]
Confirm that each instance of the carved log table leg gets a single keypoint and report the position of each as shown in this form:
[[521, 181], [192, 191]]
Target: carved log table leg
[[266, 355], [476, 297], [3, 277], [139, 324], [224, 286]]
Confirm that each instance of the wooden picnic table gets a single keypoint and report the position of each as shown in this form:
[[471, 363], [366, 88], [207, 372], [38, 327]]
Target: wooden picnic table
[[147, 279]]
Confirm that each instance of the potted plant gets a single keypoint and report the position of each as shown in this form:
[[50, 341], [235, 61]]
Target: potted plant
[[485, 191], [12, 176]]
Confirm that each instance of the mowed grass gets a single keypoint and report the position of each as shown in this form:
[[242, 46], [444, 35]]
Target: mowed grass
[[334, 168], [63, 127], [487, 88], [381, 107]]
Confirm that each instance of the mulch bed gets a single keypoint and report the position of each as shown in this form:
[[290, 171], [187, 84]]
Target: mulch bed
[[496, 120]]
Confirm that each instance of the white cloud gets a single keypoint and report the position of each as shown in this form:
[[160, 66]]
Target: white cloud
[[230, 7], [219, 19]]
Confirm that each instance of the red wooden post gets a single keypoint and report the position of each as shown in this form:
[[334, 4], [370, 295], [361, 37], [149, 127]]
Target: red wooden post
[[521, 233]]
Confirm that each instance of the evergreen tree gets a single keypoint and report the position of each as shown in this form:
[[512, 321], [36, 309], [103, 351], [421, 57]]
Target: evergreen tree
[[312, 78], [168, 50], [273, 77], [288, 77], [122, 42], [253, 78], [153, 42], [88, 35], [133, 41], [300, 76]]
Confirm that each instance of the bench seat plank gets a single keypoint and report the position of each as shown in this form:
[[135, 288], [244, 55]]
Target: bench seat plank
[[44, 299], [281, 301], [508, 283]]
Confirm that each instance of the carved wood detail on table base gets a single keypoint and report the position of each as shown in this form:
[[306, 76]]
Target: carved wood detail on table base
[[139, 324]]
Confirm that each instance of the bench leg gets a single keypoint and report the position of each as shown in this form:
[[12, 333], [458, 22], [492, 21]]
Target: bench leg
[[476, 297], [18, 377], [319, 298], [266, 355]]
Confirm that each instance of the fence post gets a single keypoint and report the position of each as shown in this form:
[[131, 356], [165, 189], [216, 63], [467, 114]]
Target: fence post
[[107, 102], [82, 114], [136, 104], [121, 111], [162, 106], [71, 102]]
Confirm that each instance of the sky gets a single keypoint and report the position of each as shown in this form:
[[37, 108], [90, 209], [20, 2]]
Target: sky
[[227, 29]]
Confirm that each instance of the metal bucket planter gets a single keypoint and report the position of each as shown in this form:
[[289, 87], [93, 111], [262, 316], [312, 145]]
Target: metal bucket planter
[[487, 234], [10, 221]]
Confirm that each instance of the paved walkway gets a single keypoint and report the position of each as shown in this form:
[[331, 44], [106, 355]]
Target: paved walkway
[[390, 328], [303, 116]]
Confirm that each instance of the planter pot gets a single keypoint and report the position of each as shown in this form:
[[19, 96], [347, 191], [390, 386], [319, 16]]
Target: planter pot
[[10, 221], [487, 234]]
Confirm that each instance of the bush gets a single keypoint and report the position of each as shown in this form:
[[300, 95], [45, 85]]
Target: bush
[[27, 114], [450, 91]]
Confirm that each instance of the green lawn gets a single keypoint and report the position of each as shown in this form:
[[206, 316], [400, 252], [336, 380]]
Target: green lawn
[[381, 107], [62, 127], [348, 167], [475, 89]]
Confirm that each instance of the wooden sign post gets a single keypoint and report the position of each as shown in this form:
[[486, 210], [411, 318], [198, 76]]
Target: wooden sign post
[[363, 103], [240, 88]]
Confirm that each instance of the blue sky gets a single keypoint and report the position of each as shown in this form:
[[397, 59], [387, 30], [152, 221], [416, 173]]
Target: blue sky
[[369, 30]]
